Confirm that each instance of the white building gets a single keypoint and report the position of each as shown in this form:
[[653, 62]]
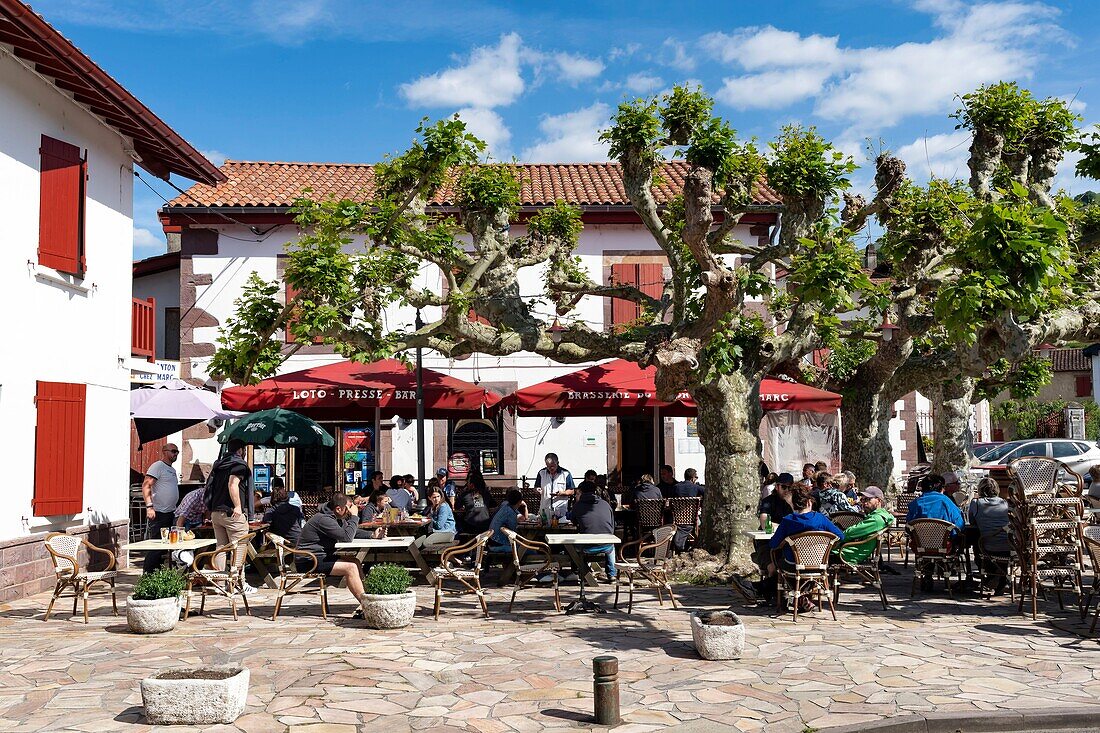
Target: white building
[[69, 138], [225, 233]]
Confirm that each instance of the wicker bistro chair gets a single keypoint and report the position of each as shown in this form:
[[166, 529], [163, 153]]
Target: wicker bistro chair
[[998, 565], [651, 515], [228, 583], [933, 552], [1051, 559], [844, 520], [683, 511], [1092, 546], [637, 564], [866, 570], [63, 549], [290, 580], [810, 577], [528, 573], [1033, 475], [896, 536], [469, 578]]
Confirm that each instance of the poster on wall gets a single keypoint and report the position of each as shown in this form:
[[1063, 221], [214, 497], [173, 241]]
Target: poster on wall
[[357, 446], [458, 465], [261, 479], [489, 463]]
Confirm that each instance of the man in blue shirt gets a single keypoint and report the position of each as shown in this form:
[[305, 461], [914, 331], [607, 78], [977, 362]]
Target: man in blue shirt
[[933, 504], [803, 519], [511, 511]]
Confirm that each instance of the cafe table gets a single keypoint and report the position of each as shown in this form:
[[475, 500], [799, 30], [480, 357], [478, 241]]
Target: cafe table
[[406, 544], [408, 527], [573, 544]]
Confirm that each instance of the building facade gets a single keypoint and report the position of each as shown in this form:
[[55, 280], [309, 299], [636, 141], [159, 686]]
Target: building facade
[[69, 140]]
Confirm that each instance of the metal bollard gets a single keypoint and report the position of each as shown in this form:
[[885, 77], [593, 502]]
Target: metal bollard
[[605, 688]]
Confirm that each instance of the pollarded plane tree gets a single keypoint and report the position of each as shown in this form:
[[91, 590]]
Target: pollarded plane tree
[[981, 273], [698, 334]]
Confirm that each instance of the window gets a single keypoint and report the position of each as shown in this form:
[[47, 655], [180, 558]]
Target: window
[[59, 449], [1032, 449], [171, 350], [61, 206], [646, 276], [1065, 450], [482, 441]]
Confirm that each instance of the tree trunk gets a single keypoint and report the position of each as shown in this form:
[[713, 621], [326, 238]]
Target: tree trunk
[[953, 439], [865, 424], [729, 416]]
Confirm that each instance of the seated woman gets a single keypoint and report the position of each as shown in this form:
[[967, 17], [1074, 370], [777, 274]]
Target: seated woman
[[511, 511], [990, 514], [375, 506], [336, 521], [476, 505], [802, 519], [284, 519], [442, 529]]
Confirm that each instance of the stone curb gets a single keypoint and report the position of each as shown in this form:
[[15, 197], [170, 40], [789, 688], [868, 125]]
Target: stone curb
[[979, 722]]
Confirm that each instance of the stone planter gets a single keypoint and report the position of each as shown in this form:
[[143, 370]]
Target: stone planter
[[195, 695], [390, 611], [152, 617], [723, 640]]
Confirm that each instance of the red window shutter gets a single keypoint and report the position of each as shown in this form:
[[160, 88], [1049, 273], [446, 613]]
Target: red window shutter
[[651, 279], [1084, 385], [59, 449], [61, 206], [623, 311]]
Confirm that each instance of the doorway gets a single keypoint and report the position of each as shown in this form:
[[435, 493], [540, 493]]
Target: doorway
[[635, 438]]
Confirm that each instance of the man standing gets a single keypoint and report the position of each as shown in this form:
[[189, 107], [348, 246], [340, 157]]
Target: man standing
[[447, 484], [161, 491], [229, 479], [555, 483]]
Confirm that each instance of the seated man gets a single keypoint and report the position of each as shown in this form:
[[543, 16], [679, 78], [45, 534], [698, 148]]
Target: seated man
[[644, 489], [776, 505], [802, 519], [932, 504], [875, 519], [285, 519], [830, 497], [401, 495], [336, 521], [511, 511], [593, 515], [192, 511], [689, 487]]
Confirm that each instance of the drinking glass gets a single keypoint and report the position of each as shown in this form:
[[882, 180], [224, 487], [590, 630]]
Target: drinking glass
[[163, 534]]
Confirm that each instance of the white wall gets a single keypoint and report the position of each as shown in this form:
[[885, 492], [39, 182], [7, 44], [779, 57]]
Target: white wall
[[58, 333]]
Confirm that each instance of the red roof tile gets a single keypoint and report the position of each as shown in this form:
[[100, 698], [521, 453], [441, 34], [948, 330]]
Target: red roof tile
[[1070, 360], [274, 184]]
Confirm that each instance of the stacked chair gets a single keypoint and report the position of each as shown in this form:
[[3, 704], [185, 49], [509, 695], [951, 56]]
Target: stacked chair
[[1047, 526]]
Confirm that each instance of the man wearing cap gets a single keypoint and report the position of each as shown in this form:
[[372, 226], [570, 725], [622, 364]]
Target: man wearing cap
[[875, 519], [448, 486]]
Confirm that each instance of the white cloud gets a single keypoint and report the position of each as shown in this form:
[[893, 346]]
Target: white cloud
[[216, 157], [771, 89], [766, 47], [642, 83], [674, 53], [490, 127], [942, 156], [147, 244], [622, 52], [875, 87], [572, 137], [575, 68], [489, 78]]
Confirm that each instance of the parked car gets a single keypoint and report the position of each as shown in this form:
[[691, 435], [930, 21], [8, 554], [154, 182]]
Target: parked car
[[980, 449], [1078, 455]]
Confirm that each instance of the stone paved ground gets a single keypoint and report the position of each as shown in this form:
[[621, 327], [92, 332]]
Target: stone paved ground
[[531, 670]]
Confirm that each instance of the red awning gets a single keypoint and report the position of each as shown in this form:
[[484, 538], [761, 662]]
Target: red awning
[[348, 390], [624, 388]]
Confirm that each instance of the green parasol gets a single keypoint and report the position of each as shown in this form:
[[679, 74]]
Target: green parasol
[[277, 427]]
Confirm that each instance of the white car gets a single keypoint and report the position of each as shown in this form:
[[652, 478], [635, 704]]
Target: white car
[[1078, 455]]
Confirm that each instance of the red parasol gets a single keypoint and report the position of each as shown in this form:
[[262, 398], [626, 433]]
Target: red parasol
[[342, 391], [622, 387]]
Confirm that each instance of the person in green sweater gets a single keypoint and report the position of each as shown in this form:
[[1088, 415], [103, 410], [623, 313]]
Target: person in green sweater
[[875, 519]]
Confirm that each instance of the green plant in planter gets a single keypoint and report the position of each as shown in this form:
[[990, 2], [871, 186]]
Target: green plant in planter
[[387, 580], [161, 583]]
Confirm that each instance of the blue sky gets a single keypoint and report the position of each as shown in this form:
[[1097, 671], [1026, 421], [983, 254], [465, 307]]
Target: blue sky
[[340, 80]]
